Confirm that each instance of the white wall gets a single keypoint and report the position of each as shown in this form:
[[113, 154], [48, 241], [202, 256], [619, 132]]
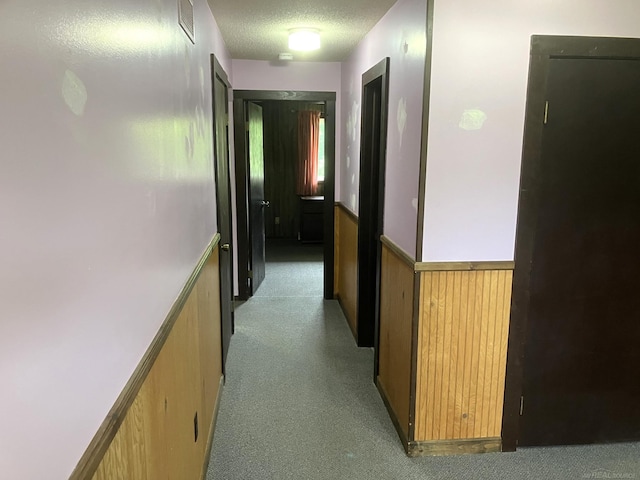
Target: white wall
[[480, 63], [107, 201], [400, 35]]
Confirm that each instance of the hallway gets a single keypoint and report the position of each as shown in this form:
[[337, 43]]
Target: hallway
[[299, 401]]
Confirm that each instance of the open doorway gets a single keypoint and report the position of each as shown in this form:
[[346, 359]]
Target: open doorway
[[288, 215]]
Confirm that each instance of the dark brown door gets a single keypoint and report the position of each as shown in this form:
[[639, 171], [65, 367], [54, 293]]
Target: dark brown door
[[371, 199], [582, 354], [223, 198], [257, 203]]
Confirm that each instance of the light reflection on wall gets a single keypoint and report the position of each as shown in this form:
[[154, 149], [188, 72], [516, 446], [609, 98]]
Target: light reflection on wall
[[472, 119], [111, 36], [415, 44], [170, 149]]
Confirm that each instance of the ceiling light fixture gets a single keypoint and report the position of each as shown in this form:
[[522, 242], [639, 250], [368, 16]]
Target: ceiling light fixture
[[304, 39]]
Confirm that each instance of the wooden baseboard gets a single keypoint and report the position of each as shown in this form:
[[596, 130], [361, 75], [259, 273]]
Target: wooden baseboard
[[394, 418], [212, 428], [454, 447]]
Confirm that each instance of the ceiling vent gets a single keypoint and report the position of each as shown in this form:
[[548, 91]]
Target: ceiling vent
[[185, 18]]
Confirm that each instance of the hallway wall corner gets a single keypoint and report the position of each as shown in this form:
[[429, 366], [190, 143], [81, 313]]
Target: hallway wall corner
[[442, 351]]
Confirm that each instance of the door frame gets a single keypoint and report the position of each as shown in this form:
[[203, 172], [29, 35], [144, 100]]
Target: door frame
[[369, 246], [251, 202], [217, 72], [240, 98], [543, 49]]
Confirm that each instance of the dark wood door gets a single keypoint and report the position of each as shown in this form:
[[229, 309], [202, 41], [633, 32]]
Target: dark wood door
[[257, 203], [582, 354], [371, 199], [223, 194]]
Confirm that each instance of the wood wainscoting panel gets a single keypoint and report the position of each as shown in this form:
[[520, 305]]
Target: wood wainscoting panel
[[346, 264], [462, 347], [157, 437], [395, 339], [210, 341]]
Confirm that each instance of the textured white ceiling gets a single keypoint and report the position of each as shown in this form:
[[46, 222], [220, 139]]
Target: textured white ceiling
[[258, 29]]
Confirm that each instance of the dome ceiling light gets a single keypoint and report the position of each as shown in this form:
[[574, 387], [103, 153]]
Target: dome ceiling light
[[304, 39]]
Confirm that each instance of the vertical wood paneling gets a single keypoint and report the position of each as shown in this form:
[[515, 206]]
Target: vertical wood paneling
[[431, 281], [462, 341], [396, 320], [346, 265], [210, 339], [156, 439]]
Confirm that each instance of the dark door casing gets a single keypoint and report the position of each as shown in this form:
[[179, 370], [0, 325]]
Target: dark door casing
[[223, 193], [371, 200], [576, 279]]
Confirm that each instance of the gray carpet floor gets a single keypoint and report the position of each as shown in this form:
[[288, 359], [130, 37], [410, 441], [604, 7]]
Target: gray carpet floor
[[299, 400]]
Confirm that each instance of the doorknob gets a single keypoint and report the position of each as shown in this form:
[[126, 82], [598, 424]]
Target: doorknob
[[225, 247], [265, 203]]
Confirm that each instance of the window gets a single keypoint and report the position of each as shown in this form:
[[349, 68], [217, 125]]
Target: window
[[321, 151]]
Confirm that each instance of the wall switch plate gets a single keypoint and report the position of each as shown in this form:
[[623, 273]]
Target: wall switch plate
[[277, 220]]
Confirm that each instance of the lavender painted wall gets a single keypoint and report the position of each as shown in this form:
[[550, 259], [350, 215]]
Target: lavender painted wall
[[480, 64], [400, 35], [304, 76], [300, 76], [106, 204]]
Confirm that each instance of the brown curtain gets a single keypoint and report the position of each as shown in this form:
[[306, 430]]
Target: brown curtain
[[308, 138]]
